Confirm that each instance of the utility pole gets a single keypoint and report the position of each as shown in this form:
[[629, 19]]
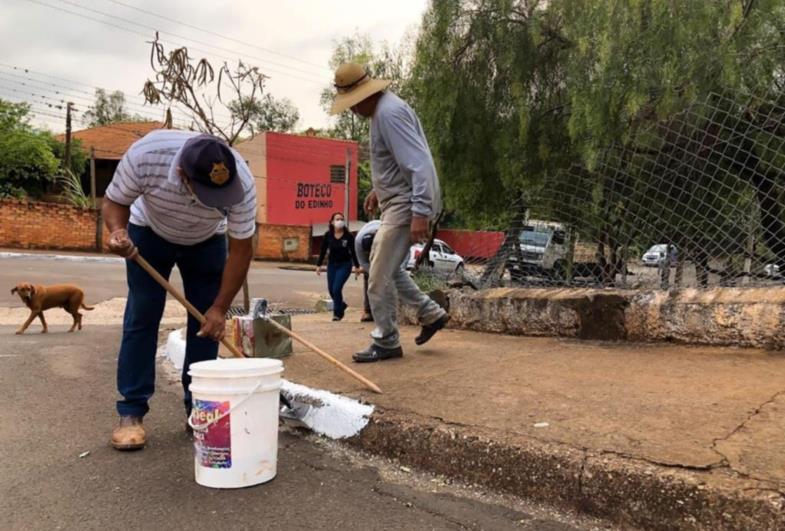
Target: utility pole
[[347, 171], [67, 162], [99, 222], [92, 176]]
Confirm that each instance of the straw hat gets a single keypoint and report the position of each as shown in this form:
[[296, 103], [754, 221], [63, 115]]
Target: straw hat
[[353, 85]]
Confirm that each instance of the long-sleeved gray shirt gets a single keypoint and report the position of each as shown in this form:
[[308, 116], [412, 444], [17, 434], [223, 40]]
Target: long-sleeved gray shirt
[[402, 170], [369, 230]]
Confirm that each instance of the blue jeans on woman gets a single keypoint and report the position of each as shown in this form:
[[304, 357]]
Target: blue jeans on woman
[[337, 275], [201, 268]]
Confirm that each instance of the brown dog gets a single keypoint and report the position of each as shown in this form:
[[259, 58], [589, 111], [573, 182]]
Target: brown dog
[[39, 298]]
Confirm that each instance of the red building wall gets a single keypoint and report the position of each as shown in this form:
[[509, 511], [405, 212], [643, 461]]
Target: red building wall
[[472, 243], [299, 191]]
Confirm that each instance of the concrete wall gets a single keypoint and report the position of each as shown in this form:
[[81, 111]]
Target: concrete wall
[[750, 317]]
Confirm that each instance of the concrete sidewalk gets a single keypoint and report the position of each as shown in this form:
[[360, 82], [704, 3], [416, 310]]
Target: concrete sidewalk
[[654, 435]]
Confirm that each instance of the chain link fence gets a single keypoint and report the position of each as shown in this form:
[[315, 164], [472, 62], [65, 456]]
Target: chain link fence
[[692, 201]]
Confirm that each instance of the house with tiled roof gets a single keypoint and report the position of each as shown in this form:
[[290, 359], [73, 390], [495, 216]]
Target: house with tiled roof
[[110, 142]]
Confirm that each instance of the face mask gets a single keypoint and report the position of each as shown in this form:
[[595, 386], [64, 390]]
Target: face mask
[[339, 224]]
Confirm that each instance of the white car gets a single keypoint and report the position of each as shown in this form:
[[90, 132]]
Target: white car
[[656, 255], [442, 258], [772, 270]]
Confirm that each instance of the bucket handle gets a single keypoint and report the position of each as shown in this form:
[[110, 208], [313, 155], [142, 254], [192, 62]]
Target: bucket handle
[[203, 427]]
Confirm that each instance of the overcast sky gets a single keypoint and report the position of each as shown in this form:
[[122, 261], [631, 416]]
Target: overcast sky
[[289, 41]]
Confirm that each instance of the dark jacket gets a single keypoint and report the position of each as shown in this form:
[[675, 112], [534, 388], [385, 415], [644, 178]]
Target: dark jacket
[[341, 249]]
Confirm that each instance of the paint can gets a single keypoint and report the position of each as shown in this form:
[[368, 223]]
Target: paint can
[[235, 421]]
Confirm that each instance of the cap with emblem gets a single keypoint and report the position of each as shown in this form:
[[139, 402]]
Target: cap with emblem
[[211, 167]]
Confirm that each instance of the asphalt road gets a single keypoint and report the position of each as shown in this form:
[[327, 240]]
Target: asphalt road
[[58, 393], [105, 280]]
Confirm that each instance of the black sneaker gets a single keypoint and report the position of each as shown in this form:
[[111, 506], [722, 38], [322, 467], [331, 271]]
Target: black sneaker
[[377, 353], [428, 331], [336, 318]]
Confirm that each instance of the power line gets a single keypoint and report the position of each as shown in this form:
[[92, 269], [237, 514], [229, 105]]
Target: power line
[[71, 91], [204, 30], [83, 101], [146, 36], [131, 99], [57, 103], [203, 43], [77, 94]]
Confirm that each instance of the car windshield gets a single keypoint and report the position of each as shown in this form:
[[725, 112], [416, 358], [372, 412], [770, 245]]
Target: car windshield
[[656, 249], [537, 239]]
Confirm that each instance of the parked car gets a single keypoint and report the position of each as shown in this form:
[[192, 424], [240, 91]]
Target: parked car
[[442, 258], [772, 270], [656, 255]]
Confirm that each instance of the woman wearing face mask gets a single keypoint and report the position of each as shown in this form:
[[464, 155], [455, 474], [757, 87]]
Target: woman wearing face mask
[[340, 243]]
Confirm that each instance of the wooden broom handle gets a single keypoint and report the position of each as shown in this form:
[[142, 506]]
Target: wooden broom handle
[[177, 295], [198, 315], [354, 374]]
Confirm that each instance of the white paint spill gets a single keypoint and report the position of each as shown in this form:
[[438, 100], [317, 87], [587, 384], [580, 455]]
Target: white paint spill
[[331, 415], [63, 257], [334, 416], [174, 348]]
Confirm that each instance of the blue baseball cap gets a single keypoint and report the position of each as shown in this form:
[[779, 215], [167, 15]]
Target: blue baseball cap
[[212, 169]]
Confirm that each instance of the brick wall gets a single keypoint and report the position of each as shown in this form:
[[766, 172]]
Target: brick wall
[[273, 240], [38, 225]]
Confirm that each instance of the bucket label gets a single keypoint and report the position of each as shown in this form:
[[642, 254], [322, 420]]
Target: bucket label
[[213, 445]]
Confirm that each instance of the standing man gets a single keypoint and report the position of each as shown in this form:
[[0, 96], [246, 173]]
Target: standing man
[[172, 199], [406, 188]]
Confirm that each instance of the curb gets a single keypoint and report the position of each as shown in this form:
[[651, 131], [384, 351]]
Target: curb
[[625, 490], [308, 268], [722, 316], [62, 257]]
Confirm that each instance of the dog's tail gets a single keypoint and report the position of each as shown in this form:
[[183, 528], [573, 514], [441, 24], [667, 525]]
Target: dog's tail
[[86, 307]]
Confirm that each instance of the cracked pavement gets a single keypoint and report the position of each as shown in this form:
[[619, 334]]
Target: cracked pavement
[[674, 406]]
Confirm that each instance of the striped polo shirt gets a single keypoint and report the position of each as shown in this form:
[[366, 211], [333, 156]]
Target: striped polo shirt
[[147, 180]]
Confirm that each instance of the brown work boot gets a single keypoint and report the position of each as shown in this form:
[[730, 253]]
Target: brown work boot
[[129, 434]]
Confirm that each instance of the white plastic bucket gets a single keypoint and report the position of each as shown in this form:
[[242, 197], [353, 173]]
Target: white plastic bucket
[[235, 421]]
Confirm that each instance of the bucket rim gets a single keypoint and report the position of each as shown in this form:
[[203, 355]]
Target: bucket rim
[[236, 367]]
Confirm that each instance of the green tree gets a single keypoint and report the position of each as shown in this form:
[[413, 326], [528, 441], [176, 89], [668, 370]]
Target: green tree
[[108, 108], [632, 69], [268, 113], [27, 165], [488, 83], [523, 100]]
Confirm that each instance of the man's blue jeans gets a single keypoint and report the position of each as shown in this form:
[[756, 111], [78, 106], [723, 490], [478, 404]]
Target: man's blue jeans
[[201, 268]]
